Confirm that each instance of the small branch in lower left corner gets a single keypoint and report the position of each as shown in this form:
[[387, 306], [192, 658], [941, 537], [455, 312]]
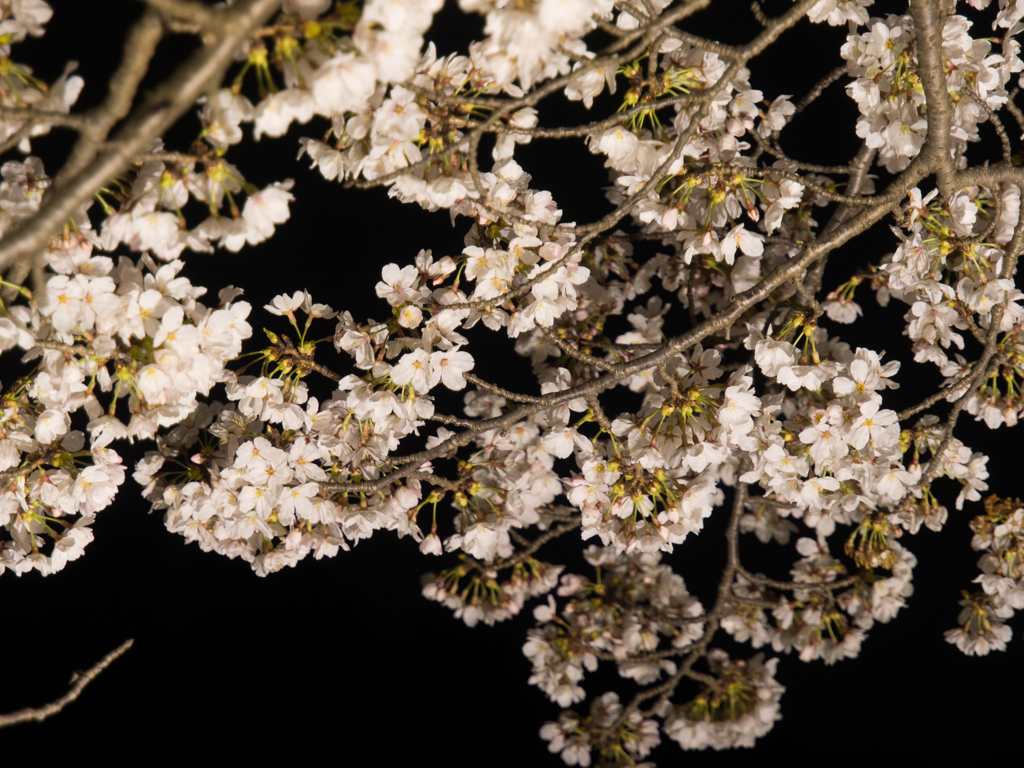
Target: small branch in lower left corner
[[79, 681]]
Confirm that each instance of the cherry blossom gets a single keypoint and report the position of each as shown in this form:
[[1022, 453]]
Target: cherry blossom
[[687, 351]]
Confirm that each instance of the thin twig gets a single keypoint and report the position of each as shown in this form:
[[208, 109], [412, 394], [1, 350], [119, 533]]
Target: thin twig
[[515, 397], [574, 353], [80, 681], [45, 117]]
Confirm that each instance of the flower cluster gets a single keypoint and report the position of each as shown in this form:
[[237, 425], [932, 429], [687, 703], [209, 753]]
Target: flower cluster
[[738, 708], [231, 490], [481, 597], [244, 479], [133, 335], [812, 623], [596, 623], [606, 729], [839, 456], [888, 88], [999, 533]]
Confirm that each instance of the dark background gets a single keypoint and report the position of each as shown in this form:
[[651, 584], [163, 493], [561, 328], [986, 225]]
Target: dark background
[[343, 659]]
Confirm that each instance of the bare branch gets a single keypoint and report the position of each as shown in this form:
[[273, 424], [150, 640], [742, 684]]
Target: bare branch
[[858, 174], [44, 117], [776, 151], [933, 78], [175, 158], [452, 421], [184, 10], [540, 541], [515, 397], [574, 353], [928, 402], [39, 714], [1014, 110], [997, 124], [139, 48], [819, 88]]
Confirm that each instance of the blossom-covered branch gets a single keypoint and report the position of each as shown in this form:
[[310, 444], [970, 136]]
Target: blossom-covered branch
[[682, 347]]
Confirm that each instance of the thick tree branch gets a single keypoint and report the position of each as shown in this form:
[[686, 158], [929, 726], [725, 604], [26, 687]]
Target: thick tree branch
[[933, 79], [139, 48], [184, 10], [158, 112]]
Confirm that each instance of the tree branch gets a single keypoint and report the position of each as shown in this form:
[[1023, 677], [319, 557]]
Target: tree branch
[[202, 71], [184, 10], [933, 79], [80, 681], [139, 49], [44, 117]]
